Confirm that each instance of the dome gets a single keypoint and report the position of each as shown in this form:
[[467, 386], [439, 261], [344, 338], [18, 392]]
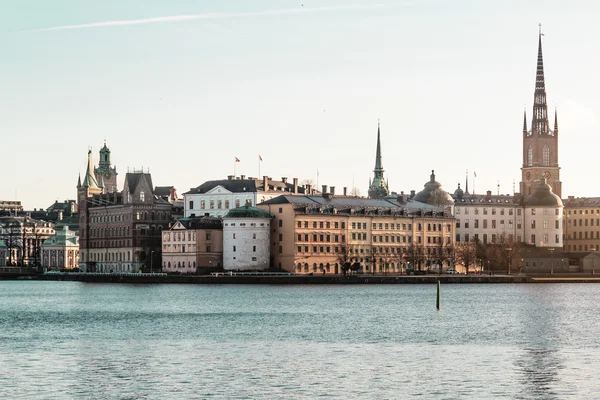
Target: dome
[[433, 194], [247, 211], [543, 197], [458, 193]]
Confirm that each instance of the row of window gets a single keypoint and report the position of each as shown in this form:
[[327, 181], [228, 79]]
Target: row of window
[[321, 224], [582, 248], [545, 156], [466, 238], [139, 215], [583, 222], [457, 211], [583, 235], [583, 212], [179, 236], [212, 203], [317, 237], [110, 256]]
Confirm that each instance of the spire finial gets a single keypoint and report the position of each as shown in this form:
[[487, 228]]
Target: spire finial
[[524, 120], [540, 28], [555, 120]]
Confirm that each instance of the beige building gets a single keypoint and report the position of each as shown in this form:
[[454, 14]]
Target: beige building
[[61, 251], [581, 228], [321, 234], [192, 243]]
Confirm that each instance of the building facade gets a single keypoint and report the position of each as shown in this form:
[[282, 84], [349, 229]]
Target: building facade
[[217, 198], [105, 173], [581, 224], [191, 244], [3, 251], [540, 143], [23, 237], [61, 251], [246, 239], [324, 234], [120, 231]]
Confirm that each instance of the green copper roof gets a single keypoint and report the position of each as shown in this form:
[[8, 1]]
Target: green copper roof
[[248, 212]]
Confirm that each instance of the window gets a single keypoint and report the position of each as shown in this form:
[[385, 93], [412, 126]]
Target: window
[[212, 204], [485, 224], [533, 211], [476, 224], [545, 238], [254, 248], [299, 224], [533, 224], [234, 248], [335, 225], [546, 156], [142, 196], [227, 204], [466, 223], [556, 238], [219, 204], [556, 224], [532, 239], [191, 204], [234, 236], [343, 225], [280, 223], [493, 224], [237, 204], [208, 235], [202, 204], [546, 224], [493, 211], [529, 156]]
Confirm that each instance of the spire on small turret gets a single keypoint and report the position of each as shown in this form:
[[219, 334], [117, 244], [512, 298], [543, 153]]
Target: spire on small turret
[[540, 124], [524, 121], [79, 181], [378, 163], [555, 121], [467, 183], [90, 181]]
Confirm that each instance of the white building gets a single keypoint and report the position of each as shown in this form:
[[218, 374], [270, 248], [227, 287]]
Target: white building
[[496, 219], [61, 251], [246, 239], [216, 198], [2, 254], [543, 217]]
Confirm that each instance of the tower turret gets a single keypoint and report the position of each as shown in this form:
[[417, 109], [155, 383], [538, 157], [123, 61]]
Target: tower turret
[[378, 187]]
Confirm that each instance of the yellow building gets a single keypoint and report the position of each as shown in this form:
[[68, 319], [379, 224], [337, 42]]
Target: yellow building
[[321, 234], [581, 224]]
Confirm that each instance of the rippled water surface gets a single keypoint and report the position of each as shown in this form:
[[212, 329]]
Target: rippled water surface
[[107, 341]]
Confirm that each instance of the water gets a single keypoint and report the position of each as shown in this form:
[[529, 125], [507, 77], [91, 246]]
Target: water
[[69, 340]]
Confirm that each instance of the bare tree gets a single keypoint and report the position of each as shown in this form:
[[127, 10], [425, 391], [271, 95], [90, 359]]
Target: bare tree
[[355, 192], [466, 253], [10, 234]]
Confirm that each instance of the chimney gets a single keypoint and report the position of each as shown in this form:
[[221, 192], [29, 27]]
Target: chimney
[[265, 183], [229, 177], [295, 185], [345, 191], [324, 189], [284, 179], [242, 177], [332, 190], [488, 194], [412, 194], [307, 189]]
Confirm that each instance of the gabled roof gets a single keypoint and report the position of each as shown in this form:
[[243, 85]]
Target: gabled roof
[[2, 244], [245, 185], [163, 190]]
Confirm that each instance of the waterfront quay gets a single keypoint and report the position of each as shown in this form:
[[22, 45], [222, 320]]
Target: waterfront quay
[[291, 279]]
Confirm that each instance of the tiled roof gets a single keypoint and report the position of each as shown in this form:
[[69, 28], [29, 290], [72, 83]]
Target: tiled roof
[[582, 202], [205, 222], [245, 185]]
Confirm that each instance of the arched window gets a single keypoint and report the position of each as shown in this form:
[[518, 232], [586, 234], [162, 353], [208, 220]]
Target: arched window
[[546, 156], [529, 156], [142, 195]]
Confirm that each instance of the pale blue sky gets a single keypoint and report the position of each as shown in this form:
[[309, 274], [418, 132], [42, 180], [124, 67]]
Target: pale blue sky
[[448, 79]]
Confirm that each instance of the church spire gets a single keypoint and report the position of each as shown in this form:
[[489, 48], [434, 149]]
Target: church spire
[[555, 122], [539, 126], [79, 181], [378, 163], [90, 180], [378, 187], [524, 121]]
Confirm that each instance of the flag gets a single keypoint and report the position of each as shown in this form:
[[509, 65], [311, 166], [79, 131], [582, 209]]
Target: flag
[[474, 174], [259, 157], [236, 159]]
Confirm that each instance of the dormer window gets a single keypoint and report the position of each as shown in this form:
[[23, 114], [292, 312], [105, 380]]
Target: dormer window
[[142, 195]]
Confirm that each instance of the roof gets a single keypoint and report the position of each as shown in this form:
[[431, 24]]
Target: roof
[[433, 193], [355, 206], [204, 222], [582, 202], [245, 185], [247, 211], [63, 237], [483, 199], [543, 196], [2, 244], [163, 190]]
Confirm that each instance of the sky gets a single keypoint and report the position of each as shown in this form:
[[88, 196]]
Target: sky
[[184, 87]]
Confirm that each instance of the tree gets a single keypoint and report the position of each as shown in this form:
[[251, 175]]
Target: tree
[[355, 192], [10, 234], [466, 253]]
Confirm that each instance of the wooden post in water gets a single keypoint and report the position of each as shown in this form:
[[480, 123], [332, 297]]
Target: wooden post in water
[[437, 302]]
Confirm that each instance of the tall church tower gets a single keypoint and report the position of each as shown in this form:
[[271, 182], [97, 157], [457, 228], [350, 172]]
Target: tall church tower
[[106, 175], [540, 144], [378, 187], [85, 191]]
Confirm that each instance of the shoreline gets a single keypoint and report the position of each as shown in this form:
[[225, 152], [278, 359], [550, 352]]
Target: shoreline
[[300, 279]]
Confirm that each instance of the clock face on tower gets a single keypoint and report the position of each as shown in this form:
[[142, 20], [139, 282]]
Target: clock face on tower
[[107, 175], [528, 175], [547, 174]]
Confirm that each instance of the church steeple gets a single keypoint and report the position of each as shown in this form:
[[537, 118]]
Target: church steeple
[[524, 121], [79, 181], [378, 187], [539, 125], [90, 180], [555, 122]]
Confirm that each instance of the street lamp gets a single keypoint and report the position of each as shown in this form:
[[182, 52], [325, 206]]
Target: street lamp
[[509, 249], [151, 260]]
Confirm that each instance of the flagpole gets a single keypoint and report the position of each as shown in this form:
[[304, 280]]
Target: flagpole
[[259, 166]]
